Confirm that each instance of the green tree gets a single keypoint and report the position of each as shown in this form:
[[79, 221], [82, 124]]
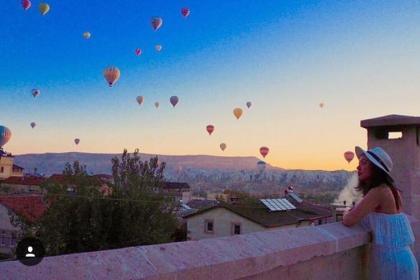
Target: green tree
[[134, 213]]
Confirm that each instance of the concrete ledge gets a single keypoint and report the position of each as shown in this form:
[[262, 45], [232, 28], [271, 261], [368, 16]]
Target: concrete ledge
[[219, 258]]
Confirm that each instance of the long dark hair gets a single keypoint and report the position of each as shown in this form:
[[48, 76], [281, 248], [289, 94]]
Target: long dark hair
[[378, 178]]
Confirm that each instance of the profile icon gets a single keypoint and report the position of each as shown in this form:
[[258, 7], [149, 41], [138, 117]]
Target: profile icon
[[30, 251], [30, 254]]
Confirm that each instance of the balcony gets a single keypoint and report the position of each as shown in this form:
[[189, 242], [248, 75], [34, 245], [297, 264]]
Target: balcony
[[330, 251]]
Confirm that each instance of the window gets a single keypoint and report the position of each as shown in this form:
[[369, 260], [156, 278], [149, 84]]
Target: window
[[1, 169], [209, 226], [395, 135], [236, 228]]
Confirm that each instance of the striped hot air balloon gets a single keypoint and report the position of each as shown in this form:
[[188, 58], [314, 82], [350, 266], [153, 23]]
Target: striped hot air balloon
[[112, 74], [5, 135], [156, 23]]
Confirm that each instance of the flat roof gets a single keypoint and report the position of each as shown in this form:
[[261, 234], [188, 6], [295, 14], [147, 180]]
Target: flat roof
[[390, 120]]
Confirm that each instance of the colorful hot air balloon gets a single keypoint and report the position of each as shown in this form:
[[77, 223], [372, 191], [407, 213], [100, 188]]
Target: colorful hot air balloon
[[174, 100], [157, 105], [222, 146], [185, 12], [264, 151], [158, 48], [210, 129], [36, 92], [77, 141], [237, 112], [138, 51], [33, 124], [44, 8], [140, 99], [349, 155], [26, 4], [5, 135], [112, 74], [157, 23], [248, 104], [86, 35]]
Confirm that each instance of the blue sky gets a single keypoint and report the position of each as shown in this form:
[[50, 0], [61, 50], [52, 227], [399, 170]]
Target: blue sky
[[361, 58]]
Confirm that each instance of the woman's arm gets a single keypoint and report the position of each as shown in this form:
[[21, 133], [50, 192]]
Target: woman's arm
[[366, 205]]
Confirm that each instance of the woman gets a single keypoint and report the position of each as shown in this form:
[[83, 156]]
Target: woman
[[380, 211]]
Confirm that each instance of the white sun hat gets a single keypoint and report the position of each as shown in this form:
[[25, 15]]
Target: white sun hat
[[378, 157]]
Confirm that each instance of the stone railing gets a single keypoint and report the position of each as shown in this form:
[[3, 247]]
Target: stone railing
[[330, 251]]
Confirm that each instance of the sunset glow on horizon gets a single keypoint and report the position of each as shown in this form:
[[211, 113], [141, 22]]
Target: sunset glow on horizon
[[360, 59]]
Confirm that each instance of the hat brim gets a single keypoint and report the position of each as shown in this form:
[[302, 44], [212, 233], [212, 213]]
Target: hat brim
[[359, 152]]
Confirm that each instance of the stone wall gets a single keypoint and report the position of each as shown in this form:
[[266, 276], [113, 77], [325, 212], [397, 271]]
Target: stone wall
[[330, 251]]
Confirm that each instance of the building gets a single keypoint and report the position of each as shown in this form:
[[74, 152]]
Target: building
[[29, 208], [9, 233], [21, 185], [225, 219], [180, 191], [7, 167]]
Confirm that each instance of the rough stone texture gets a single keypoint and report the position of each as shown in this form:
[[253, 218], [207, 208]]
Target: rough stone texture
[[345, 265], [329, 250]]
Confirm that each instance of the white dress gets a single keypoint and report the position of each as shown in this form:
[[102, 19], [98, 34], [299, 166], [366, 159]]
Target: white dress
[[391, 256]]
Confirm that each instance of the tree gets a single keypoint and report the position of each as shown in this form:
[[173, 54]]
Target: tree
[[134, 213]]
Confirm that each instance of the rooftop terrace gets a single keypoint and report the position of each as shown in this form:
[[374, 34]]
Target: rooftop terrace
[[330, 251]]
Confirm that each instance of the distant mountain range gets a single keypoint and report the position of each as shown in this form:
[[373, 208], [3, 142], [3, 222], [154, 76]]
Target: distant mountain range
[[50, 163], [202, 172]]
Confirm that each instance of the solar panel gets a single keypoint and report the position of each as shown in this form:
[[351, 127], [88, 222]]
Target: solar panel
[[291, 206], [270, 205], [279, 204], [296, 197]]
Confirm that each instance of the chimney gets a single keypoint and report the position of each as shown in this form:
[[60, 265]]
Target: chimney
[[404, 151]]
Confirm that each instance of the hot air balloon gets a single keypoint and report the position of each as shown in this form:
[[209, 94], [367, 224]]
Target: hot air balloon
[[185, 12], [44, 8], [140, 99], [174, 100], [261, 166], [157, 23], [249, 104], [222, 146], [157, 105], [5, 135], [112, 74], [158, 48], [36, 92], [264, 151], [86, 35], [349, 155], [237, 112], [138, 51], [210, 129], [26, 4], [33, 124], [77, 141]]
